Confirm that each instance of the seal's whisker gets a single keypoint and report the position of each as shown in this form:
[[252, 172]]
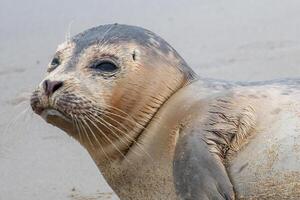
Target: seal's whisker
[[20, 102], [15, 119], [106, 32], [8, 140], [85, 132], [81, 135], [120, 124], [20, 99], [68, 33], [118, 109], [101, 147], [92, 132], [28, 115], [108, 127], [128, 137], [134, 121], [107, 138], [77, 128]]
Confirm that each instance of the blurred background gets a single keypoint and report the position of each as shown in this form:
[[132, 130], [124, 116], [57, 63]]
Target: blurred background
[[232, 40]]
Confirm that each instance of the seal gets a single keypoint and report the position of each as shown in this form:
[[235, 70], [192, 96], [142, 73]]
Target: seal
[[156, 130]]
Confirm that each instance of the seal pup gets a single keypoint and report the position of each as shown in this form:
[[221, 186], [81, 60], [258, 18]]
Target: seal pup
[[158, 131]]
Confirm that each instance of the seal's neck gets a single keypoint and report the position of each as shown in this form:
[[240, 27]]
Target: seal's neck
[[132, 109], [150, 158]]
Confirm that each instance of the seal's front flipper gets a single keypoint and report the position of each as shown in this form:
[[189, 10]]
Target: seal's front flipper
[[198, 173]]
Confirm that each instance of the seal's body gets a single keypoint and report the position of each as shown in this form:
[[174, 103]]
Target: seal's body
[[158, 131], [262, 159]]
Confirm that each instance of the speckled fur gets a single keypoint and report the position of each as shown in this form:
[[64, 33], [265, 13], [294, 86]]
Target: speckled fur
[[155, 99]]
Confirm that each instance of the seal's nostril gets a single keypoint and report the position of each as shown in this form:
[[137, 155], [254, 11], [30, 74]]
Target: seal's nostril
[[51, 86], [56, 85]]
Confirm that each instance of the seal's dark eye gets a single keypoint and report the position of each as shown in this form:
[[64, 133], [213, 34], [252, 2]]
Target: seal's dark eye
[[54, 63], [105, 66]]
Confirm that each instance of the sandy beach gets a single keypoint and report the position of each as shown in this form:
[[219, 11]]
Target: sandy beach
[[232, 40]]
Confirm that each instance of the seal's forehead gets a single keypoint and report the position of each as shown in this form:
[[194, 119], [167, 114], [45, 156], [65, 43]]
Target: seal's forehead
[[66, 46], [119, 34]]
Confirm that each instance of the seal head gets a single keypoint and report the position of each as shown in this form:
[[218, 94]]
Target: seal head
[[105, 85]]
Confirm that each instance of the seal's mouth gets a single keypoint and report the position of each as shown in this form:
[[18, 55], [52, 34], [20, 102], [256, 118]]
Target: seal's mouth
[[50, 112], [46, 111], [58, 119]]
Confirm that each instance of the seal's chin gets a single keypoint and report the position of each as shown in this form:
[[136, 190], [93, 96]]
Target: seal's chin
[[58, 119], [50, 113]]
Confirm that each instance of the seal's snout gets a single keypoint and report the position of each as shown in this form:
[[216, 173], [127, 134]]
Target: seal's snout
[[35, 102], [40, 98], [51, 86]]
